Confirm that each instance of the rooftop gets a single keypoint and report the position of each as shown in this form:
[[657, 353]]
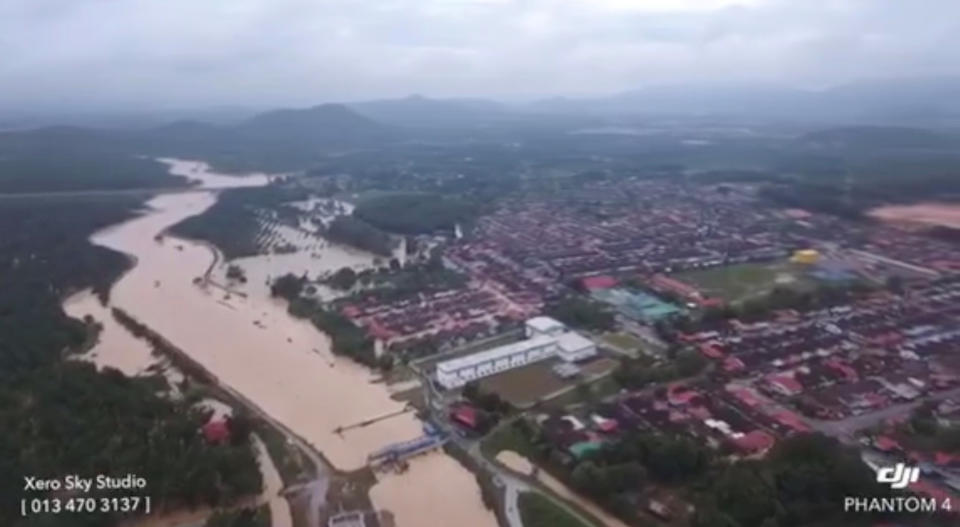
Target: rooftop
[[507, 350], [572, 341], [545, 324]]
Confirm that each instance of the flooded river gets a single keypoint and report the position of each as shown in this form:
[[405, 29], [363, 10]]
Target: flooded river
[[283, 365]]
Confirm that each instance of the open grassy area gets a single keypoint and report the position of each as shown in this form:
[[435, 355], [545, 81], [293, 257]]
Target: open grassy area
[[737, 283], [525, 385], [598, 390], [506, 437], [537, 510], [624, 341]]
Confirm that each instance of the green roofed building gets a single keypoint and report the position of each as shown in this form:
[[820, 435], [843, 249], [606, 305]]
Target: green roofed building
[[585, 447], [636, 305]]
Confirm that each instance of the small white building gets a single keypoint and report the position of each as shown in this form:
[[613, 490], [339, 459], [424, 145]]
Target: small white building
[[573, 347], [544, 326]]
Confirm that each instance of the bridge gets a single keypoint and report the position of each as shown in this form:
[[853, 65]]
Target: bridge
[[432, 439]]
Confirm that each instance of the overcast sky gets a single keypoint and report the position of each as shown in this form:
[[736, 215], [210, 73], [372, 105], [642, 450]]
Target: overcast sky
[[270, 52]]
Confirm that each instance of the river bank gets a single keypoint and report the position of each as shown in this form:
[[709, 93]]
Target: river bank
[[283, 365]]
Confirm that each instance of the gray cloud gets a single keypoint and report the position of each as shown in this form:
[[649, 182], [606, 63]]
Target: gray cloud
[[189, 52]]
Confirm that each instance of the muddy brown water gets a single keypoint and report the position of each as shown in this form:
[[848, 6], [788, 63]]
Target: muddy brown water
[[282, 364]]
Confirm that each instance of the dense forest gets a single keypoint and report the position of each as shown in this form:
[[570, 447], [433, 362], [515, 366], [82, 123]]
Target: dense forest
[[60, 416], [799, 483], [349, 230], [55, 171], [415, 213]]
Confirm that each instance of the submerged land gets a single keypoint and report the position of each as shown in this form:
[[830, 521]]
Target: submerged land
[[269, 313]]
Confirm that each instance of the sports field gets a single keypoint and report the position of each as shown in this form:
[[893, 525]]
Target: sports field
[[737, 283], [525, 385]]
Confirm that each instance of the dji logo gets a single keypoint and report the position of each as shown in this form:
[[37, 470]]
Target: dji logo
[[898, 476]]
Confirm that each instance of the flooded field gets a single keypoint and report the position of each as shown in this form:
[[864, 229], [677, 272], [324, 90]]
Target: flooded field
[[924, 214], [283, 365], [199, 174], [443, 503], [260, 270], [117, 348]]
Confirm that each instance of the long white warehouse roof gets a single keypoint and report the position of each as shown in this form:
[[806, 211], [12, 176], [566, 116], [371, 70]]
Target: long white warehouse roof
[[507, 350]]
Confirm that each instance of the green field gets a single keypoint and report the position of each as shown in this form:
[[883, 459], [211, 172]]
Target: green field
[[624, 341], [537, 510], [737, 283]]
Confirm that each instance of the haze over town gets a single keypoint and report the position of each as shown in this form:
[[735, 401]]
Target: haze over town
[[477, 263], [67, 55]]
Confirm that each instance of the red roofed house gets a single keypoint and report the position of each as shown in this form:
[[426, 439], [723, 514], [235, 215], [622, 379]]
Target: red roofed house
[[710, 349], [598, 282], [932, 490], [380, 332], [785, 384], [746, 397], [754, 442], [945, 459], [465, 415], [712, 302], [216, 431], [886, 444], [733, 364], [788, 418], [679, 395], [844, 369], [676, 286]]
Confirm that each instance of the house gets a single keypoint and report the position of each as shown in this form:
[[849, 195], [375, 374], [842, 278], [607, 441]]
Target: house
[[598, 282], [754, 442], [466, 416], [216, 431], [785, 385]]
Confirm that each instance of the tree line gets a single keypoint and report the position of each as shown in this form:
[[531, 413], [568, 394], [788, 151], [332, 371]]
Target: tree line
[[64, 416]]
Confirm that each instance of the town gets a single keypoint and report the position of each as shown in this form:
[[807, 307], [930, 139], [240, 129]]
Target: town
[[795, 322]]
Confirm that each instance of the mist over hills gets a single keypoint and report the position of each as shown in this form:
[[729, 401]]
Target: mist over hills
[[907, 101], [869, 124], [897, 101]]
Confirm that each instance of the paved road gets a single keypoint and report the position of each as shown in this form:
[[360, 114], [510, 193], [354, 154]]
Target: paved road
[[846, 428]]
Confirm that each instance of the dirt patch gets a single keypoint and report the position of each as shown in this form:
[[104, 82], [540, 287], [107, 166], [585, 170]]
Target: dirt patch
[[924, 214]]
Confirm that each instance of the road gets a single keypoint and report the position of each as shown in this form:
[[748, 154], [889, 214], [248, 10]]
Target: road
[[511, 484], [845, 428]]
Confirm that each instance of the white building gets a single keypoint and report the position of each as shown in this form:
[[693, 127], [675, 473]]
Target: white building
[[573, 347], [457, 372], [544, 326], [546, 338]]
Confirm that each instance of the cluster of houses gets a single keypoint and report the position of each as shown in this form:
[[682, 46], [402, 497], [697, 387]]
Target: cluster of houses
[[846, 360], [446, 316]]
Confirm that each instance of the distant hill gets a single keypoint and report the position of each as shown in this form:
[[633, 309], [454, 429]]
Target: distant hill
[[323, 125], [916, 101], [880, 137], [281, 140], [419, 111]]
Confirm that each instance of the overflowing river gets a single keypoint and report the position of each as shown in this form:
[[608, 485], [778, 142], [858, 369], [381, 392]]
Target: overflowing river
[[282, 364]]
